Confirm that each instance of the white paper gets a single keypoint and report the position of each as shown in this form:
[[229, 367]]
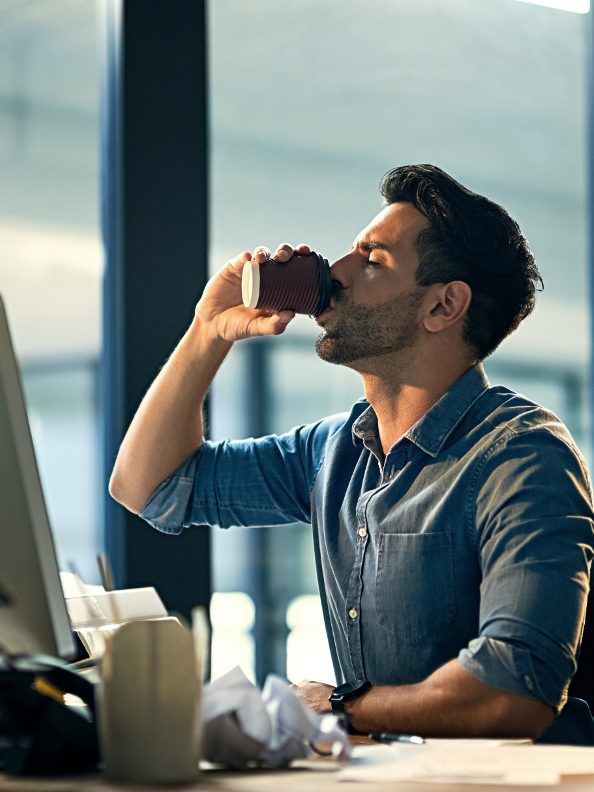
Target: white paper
[[469, 762], [243, 725], [73, 586]]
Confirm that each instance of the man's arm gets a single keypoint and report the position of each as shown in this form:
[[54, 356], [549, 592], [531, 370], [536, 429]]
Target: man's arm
[[449, 703], [168, 426]]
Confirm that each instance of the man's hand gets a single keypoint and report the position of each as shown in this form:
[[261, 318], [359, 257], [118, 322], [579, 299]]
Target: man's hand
[[168, 427], [314, 694], [221, 309]]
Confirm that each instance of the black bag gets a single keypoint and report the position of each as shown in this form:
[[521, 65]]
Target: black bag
[[39, 735]]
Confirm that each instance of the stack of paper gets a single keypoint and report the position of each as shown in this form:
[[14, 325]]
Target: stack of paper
[[470, 762]]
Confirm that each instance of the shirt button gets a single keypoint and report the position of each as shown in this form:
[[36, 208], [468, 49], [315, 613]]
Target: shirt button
[[353, 613], [528, 682], [362, 532]]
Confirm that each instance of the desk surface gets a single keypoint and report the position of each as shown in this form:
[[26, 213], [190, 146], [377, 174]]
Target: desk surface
[[314, 776]]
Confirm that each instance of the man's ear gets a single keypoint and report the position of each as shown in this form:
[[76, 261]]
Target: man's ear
[[448, 307]]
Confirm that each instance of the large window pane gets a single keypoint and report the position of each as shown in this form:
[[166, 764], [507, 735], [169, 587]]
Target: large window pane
[[51, 261], [310, 107]]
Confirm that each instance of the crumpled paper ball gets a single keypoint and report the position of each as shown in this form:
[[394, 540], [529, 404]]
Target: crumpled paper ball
[[243, 726]]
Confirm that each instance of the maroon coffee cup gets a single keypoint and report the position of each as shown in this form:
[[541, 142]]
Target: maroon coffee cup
[[302, 284]]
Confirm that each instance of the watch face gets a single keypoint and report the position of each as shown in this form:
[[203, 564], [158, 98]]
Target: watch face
[[349, 690]]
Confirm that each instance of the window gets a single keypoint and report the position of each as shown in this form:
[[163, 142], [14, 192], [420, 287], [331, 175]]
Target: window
[[51, 261], [309, 109]]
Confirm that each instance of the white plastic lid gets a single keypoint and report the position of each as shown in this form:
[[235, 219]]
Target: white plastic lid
[[250, 284]]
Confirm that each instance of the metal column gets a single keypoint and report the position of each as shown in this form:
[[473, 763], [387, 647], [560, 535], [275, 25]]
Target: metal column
[[155, 217]]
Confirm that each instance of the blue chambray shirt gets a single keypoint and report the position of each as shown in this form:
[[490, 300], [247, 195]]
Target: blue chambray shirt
[[472, 539]]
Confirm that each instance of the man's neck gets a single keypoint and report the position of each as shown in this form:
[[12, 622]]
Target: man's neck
[[400, 399]]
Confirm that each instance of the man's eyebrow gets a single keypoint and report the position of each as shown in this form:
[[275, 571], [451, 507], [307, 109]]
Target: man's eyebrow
[[368, 245]]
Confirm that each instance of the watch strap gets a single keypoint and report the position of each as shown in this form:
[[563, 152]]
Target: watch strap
[[348, 691]]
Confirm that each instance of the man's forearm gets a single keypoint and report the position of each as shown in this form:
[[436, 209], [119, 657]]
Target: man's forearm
[[450, 703], [168, 426]]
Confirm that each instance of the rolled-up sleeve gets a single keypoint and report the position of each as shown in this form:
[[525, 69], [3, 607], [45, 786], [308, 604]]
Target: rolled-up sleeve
[[532, 516], [252, 482]]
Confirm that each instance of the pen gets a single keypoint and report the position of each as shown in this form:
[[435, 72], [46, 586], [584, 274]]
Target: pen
[[105, 572], [386, 737]]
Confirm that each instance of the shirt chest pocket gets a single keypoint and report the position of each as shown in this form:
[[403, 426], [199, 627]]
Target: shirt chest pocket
[[414, 584]]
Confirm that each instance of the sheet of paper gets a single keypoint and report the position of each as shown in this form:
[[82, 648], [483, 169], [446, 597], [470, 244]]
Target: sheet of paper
[[469, 762]]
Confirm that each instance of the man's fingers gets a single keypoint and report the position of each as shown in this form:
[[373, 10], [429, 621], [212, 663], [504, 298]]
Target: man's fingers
[[284, 252], [261, 253]]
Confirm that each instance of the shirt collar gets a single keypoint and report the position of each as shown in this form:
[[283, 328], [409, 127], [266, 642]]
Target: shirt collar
[[432, 430]]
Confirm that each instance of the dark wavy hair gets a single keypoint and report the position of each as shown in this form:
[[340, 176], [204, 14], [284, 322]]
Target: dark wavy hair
[[471, 239]]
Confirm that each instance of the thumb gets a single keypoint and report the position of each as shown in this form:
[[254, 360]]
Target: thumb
[[272, 325], [285, 317]]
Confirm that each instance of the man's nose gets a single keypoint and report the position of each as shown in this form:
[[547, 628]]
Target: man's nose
[[339, 273]]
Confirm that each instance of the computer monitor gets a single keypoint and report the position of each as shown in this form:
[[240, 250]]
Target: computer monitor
[[33, 615]]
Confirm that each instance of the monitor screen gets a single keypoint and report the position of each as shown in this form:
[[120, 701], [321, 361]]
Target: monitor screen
[[33, 616]]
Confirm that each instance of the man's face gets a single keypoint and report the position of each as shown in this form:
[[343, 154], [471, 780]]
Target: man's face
[[377, 311]]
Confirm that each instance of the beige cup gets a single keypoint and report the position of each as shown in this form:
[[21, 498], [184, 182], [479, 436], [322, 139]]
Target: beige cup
[[149, 703]]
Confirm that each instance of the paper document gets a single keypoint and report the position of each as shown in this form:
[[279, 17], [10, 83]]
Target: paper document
[[469, 762]]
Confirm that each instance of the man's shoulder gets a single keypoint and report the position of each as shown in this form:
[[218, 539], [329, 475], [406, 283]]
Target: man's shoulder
[[510, 417], [526, 455], [502, 406]]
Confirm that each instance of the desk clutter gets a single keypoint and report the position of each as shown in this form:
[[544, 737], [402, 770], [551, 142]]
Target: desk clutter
[[228, 723], [148, 718]]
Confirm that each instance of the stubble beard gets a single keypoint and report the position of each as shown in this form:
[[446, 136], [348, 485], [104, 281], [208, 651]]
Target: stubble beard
[[361, 332]]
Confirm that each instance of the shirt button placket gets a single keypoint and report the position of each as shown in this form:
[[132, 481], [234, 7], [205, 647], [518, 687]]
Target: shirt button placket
[[353, 599]]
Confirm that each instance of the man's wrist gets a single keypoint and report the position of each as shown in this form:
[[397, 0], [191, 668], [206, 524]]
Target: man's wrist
[[202, 341], [349, 705], [344, 697], [352, 712]]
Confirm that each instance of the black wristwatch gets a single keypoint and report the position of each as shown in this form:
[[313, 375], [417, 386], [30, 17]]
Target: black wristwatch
[[348, 691]]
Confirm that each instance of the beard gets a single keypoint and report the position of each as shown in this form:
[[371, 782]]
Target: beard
[[362, 332]]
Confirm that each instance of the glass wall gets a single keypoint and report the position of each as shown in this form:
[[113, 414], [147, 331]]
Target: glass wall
[[309, 108], [310, 104], [50, 252]]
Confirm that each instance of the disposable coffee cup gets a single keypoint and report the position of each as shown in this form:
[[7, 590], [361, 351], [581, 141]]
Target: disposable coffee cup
[[302, 284], [149, 704]]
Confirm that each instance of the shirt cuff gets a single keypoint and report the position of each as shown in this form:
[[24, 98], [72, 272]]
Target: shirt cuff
[[507, 667], [169, 504]]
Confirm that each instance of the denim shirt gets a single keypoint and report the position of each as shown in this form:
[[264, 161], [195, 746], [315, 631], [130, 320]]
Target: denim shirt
[[472, 539]]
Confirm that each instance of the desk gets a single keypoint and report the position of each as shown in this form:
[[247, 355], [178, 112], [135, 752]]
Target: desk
[[311, 776]]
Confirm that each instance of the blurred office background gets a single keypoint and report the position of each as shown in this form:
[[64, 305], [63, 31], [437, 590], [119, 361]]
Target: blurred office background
[[310, 103]]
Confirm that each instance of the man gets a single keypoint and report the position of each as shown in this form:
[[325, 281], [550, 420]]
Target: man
[[452, 520]]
